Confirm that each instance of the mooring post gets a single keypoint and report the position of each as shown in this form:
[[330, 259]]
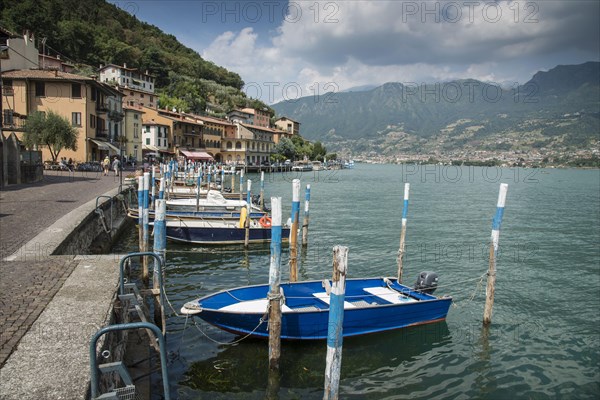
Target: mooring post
[[160, 248], [146, 231], [233, 179], [241, 184], [153, 186], [198, 188], [403, 232], [161, 189], [262, 191], [248, 211], [222, 178], [306, 215], [294, 230], [274, 281], [335, 329], [141, 212], [491, 281]]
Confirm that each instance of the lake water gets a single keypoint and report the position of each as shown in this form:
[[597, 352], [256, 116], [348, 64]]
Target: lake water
[[544, 340]]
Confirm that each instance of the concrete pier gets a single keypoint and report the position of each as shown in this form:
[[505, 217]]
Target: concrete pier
[[50, 305]]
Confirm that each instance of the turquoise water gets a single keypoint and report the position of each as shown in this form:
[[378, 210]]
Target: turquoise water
[[544, 341]]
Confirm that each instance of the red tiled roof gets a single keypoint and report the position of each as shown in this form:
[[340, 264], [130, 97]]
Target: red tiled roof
[[44, 74]]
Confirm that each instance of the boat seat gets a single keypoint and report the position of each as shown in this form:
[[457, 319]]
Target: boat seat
[[252, 306], [389, 295], [324, 297]]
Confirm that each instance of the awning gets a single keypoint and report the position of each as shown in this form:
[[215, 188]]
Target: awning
[[101, 145], [105, 146], [196, 155], [149, 148]]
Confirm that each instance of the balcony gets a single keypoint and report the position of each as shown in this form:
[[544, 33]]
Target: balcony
[[102, 133], [8, 91], [15, 123], [102, 106]]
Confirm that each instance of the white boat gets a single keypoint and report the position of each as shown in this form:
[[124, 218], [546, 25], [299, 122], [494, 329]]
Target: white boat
[[214, 201], [302, 166], [318, 166]]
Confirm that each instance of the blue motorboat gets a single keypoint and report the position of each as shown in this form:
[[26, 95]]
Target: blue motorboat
[[371, 305]]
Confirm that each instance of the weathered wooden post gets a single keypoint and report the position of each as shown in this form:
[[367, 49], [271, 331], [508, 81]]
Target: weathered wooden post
[[294, 230], [161, 190], [491, 281], [262, 191], [153, 186], [146, 230], [248, 211], [241, 184], [160, 248], [306, 215], [336, 323], [198, 189], [274, 281], [403, 232], [141, 212], [222, 178]]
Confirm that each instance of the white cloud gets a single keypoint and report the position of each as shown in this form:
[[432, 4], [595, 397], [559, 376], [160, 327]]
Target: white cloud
[[354, 43]]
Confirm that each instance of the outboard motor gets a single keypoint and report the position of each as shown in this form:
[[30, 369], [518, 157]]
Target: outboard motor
[[427, 282]]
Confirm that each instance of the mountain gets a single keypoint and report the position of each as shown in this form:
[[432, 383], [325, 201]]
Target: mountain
[[557, 109], [94, 32]]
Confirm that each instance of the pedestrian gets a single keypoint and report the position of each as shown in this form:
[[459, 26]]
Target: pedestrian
[[106, 165], [116, 164]]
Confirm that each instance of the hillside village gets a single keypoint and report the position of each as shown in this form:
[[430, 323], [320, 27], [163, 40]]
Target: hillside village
[[116, 112]]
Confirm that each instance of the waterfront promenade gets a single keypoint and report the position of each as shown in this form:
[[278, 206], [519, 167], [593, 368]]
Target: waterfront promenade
[[26, 286]]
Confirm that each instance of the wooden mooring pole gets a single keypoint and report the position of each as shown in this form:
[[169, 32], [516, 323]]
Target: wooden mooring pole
[[160, 248], [403, 232], [248, 211], [146, 229], [491, 281], [262, 191], [306, 215], [294, 230], [141, 212], [336, 323], [274, 281]]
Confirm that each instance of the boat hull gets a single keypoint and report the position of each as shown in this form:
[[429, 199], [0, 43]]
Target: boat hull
[[306, 317], [219, 235]]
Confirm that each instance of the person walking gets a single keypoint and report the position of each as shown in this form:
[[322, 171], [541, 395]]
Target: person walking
[[106, 165], [116, 165]]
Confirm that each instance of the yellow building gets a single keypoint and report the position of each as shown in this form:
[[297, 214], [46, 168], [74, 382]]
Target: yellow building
[[288, 126], [133, 133], [81, 100]]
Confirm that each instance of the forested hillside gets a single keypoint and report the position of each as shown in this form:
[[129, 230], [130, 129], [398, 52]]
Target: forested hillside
[[94, 32]]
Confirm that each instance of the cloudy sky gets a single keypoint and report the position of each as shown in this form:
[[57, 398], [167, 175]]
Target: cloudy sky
[[286, 50]]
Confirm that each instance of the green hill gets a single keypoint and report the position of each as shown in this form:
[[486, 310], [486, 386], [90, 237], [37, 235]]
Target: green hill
[[557, 109], [94, 32]]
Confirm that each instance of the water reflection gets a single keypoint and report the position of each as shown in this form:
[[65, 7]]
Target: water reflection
[[243, 367]]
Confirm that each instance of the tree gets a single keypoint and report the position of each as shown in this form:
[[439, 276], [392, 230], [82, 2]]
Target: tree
[[319, 151], [285, 148], [51, 130]]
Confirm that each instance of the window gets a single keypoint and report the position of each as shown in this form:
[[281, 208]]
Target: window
[[40, 89], [93, 94], [141, 96], [238, 145], [92, 121], [151, 98], [76, 90], [135, 130], [148, 141], [8, 117], [135, 116], [76, 119]]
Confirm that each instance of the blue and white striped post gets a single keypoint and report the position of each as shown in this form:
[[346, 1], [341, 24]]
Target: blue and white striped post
[[294, 230], [140, 212], [161, 189], [262, 190], [241, 184], [222, 178], [306, 216], [198, 189], [335, 329], [403, 232], [274, 281], [491, 281], [146, 222], [248, 211], [160, 249], [153, 186]]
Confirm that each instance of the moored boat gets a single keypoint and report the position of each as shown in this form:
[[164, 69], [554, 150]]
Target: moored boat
[[371, 305]]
